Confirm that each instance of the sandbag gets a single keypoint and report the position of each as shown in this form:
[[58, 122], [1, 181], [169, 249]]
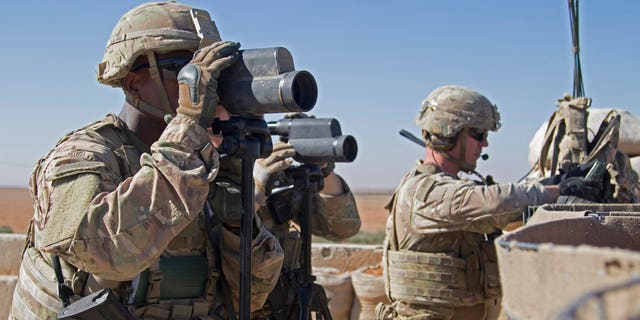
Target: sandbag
[[339, 290], [629, 142], [368, 285]]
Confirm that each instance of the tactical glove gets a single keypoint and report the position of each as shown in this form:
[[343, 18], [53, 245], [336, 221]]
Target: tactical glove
[[270, 169], [198, 81], [580, 187]]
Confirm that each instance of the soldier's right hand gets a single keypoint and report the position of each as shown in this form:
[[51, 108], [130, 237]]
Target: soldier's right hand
[[580, 187], [198, 81]]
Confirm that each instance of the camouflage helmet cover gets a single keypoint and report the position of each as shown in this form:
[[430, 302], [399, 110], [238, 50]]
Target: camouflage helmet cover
[[449, 109], [158, 27]]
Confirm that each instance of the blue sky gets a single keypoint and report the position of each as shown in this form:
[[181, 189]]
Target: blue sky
[[374, 62]]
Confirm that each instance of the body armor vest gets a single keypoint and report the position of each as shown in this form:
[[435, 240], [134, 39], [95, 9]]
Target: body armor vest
[[423, 280], [177, 285]]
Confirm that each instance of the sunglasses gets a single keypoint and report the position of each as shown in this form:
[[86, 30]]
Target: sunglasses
[[478, 134], [170, 64]]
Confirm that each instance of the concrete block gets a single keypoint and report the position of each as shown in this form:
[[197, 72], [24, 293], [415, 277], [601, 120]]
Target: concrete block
[[7, 284], [11, 245]]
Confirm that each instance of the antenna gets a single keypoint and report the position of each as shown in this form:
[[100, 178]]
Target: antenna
[[578, 85]]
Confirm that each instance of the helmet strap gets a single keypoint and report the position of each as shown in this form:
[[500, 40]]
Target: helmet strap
[[155, 75], [143, 107], [459, 161]]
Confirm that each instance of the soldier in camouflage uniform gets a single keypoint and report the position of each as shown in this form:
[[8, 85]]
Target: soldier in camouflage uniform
[[439, 259], [120, 201], [334, 217]]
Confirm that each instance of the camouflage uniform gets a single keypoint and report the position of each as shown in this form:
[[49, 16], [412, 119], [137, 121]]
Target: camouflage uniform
[[333, 217], [439, 260], [119, 218], [122, 215]]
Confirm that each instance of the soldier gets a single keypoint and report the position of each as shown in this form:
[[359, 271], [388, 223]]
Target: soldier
[[118, 203], [334, 216], [439, 258]]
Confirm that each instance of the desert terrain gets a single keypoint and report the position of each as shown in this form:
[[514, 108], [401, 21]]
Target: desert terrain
[[16, 209]]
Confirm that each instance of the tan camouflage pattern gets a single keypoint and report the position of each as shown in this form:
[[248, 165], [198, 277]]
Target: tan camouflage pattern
[[450, 108], [440, 216], [109, 209], [159, 27], [335, 218], [624, 179]]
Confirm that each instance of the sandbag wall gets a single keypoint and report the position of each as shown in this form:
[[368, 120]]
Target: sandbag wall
[[352, 278]]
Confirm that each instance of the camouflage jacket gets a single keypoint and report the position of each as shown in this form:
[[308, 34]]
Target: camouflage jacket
[[113, 212], [332, 217], [439, 218]]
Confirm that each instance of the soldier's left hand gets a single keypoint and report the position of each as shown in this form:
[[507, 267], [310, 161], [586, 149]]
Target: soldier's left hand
[[580, 187], [267, 170]]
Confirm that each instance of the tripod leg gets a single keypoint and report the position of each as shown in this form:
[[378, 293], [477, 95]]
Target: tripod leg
[[320, 303]]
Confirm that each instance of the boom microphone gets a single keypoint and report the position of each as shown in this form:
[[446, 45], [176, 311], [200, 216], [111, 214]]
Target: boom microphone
[[484, 156]]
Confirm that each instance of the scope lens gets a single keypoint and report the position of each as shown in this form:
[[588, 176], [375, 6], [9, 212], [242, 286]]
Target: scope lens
[[304, 90], [350, 148]]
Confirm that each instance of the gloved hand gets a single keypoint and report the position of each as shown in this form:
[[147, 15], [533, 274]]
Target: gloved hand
[[576, 171], [270, 169], [582, 188], [198, 81]]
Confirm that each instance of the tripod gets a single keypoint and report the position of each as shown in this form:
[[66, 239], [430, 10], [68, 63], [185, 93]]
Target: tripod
[[311, 296], [248, 138]]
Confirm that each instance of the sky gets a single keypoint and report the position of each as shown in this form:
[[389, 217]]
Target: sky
[[374, 63]]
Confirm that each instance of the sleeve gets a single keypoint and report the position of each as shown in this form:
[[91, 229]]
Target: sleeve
[[115, 229], [266, 261], [336, 217], [454, 205]]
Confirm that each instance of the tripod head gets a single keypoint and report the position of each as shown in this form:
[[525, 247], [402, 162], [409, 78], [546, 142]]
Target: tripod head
[[244, 136]]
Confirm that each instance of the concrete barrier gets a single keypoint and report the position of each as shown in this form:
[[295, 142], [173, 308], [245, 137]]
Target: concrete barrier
[[546, 265], [11, 248], [345, 257]]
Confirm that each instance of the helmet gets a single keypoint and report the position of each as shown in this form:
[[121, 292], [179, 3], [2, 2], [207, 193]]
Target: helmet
[[449, 109], [158, 27]]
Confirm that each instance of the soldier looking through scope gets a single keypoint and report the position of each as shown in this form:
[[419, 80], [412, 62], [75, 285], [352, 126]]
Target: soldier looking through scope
[[119, 203], [332, 215]]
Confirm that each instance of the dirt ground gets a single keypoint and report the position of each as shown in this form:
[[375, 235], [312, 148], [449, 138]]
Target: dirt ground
[[16, 209]]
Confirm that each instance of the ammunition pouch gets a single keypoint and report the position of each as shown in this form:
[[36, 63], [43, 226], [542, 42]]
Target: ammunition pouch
[[100, 305], [181, 277], [282, 297]]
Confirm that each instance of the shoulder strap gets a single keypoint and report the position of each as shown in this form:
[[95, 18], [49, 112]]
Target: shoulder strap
[[64, 292]]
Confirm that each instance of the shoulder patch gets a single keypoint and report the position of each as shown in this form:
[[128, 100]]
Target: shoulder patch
[[73, 168]]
